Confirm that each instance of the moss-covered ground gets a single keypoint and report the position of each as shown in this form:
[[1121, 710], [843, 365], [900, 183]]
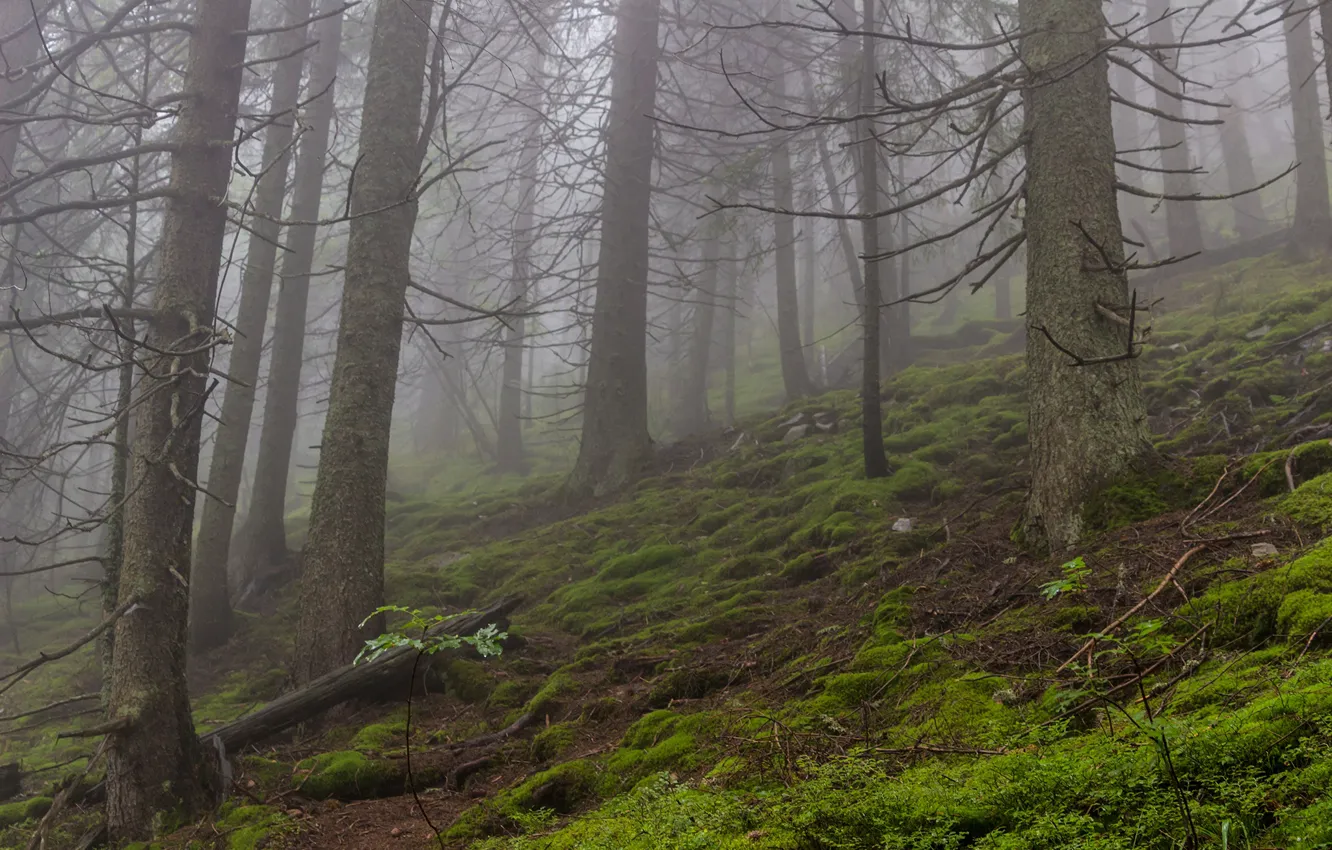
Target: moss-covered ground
[[744, 652]]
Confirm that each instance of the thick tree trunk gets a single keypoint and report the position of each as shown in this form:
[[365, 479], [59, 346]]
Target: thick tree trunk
[[264, 540], [343, 562], [509, 433], [876, 462], [1183, 224], [1312, 230], [1241, 179], [154, 761], [615, 447], [694, 415], [1088, 424], [210, 602]]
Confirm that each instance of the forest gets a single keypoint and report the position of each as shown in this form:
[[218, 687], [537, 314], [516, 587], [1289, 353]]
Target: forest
[[647, 425]]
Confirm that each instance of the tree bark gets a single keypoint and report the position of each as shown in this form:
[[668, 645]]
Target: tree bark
[[876, 462], [615, 447], [1128, 140], [343, 562], [1088, 424], [1241, 178], [809, 262], [155, 763], [509, 436], [1183, 224], [1313, 210], [210, 603], [795, 375], [730, 302], [264, 541], [694, 416]]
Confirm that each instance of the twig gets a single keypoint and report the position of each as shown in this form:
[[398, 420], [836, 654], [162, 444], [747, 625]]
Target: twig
[[1290, 470], [1119, 621], [17, 675], [62, 799], [51, 706]]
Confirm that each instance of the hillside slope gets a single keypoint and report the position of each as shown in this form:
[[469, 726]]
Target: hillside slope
[[758, 648]]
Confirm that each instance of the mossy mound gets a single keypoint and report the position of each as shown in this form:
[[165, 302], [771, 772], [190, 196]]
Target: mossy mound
[[347, 775]]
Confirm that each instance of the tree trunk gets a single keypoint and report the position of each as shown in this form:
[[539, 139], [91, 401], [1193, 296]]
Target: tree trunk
[[155, 763], [264, 541], [853, 271], [1313, 210], [343, 562], [1087, 424], [509, 436], [694, 416], [894, 321], [1247, 208], [876, 462], [210, 603], [795, 375], [729, 291], [615, 447], [1183, 225], [809, 259], [1128, 141]]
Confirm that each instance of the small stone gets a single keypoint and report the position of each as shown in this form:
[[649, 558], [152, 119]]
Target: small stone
[[1259, 333], [395, 831], [294, 813], [1327, 345], [794, 420], [1263, 550], [1178, 348], [250, 783], [902, 525], [795, 433]]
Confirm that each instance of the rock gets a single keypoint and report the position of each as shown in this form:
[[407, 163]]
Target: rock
[[1259, 333], [395, 831], [827, 427], [794, 420], [1263, 550], [1327, 345], [795, 433], [1178, 348], [902, 525]]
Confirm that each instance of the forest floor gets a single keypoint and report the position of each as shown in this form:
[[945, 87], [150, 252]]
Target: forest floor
[[754, 649]]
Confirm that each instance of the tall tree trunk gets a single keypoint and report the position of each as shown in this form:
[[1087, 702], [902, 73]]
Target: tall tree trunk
[[210, 603], [1128, 141], [342, 579], [614, 447], [1183, 224], [809, 258], [1241, 179], [1088, 424], [795, 375], [694, 415], [1313, 210], [876, 462], [894, 320], [509, 436], [729, 291], [264, 541], [154, 760]]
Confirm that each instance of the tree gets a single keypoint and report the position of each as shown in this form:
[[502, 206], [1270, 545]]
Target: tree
[[614, 446], [795, 372], [1312, 230], [210, 603], [265, 539], [154, 760], [1183, 225], [1087, 419], [343, 562], [871, 407]]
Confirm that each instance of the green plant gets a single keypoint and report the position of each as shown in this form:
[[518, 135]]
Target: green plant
[[486, 641], [1074, 580]]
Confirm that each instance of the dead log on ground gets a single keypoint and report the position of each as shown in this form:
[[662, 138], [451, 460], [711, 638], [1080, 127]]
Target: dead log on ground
[[385, 676]]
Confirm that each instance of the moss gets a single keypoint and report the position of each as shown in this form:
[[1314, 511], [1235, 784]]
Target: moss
[[347, 775], [22, 811], [914, 481], [466, 680], [552, 742], [252, 827], [380, 736], [1311, 503], [1304, 612], [1307, 461], [550, 698], [644, 560], [805, 568], [691, 682], [513, 693]]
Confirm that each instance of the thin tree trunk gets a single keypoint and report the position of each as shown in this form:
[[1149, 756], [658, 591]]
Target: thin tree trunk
[[795, 375], [210, 603], [1312, 230], [1183, 224], [615, 447], [876, 462], [1128, 136], [694, 415], [810, 248], [264, 541], [1241, 178], [853, 272], [509, 433], [343, 561], [730, 302], [1088, 424], [154, 761], [895, 320]]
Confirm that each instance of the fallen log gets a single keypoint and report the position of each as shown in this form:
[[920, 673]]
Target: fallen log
[[385, 676]]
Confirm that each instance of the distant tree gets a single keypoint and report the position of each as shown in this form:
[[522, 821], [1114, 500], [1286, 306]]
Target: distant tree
[[871, 406], [614, 446], [1312, 230], [1183, 224]]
